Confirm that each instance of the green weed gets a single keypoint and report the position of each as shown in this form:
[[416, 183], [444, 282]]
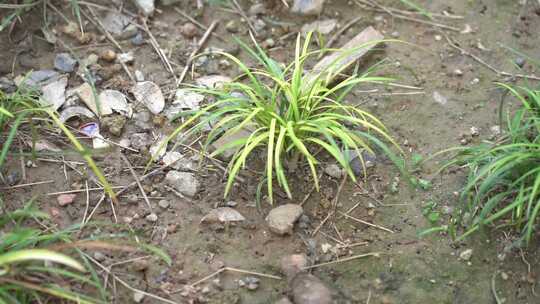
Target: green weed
[[289, 115], [503, 185]]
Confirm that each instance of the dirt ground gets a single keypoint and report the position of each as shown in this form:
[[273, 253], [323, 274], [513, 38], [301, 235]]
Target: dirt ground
[[409, 269]]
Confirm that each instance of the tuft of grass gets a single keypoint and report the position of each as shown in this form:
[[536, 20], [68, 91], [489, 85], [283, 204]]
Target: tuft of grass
[[19, 107], [289, 116], [503, 184]]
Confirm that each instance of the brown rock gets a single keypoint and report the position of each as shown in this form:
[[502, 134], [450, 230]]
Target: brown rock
[[308, 289], [189, 30], [292, 264], [66, 199], [108, 55]]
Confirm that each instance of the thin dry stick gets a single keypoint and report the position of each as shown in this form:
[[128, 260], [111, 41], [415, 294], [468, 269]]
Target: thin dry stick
[[195, 51], [375, 254], [81, 190], [124, 158], [383, 9], [366, 223], [335, 202], [23, 166], [241, 12], [87, 205], [158, 50], [487, 65], [27, 185], [310, 192]]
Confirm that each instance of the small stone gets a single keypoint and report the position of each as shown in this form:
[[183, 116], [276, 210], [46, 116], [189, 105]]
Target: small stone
[[466, 255], [458, 72], [132, 198], [99, 256], [54, 93], [232, 26], [64, 62], [223, 215], [189, 30], [114, 124], [475, 131], [139, 76], [504, 276], [126, 57], [119, 25], [147, 7], [164, 204], [205, 290], [140, 141], [183, 182], [307, 7], [116, 101], [281, 219], [496, 130], [251, 283], [438, 37], [439, 98], [149, 94], [259, 25], [257, 9], [395, 34], [308, 289], [268, 43], [66, 199], [324, 26], [187, 99], [152, 218], [212, 81], [231, 204], [292, 264], [138, 39], [334, 171], [520, 62], [138, 297], [108, 55], [86, 94]]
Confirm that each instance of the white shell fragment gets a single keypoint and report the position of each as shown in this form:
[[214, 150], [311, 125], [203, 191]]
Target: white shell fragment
[[86, 94], [149, 94], [116, 101], [75, 111]]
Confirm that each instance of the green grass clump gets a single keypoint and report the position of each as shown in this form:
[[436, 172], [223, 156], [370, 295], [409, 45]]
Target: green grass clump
[[503, 185], [289, 115]]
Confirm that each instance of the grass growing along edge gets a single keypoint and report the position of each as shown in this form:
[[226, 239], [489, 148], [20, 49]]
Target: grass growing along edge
[[503, 185]]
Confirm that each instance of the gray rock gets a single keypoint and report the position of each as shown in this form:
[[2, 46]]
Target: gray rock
[[140, 141], [164, 204], [139, 76], [334, 171], [7, 85], [138, 39], [223, 215], [323, 26], [259, 25], [183, 182], [232, 26], [64, 62], [520, 62], [36, 79], [307, 7], [439, 98], [281, 219], [308, 289], [138, 297], [147, 7], [119, 25], [54, 93], [116, 101], [152, 218], [466, 255], [356, 162], [257, 9], [187, 99], [149, 94], [88, 96], [126, 57], [251, 283], [178, 161], [99, 256]]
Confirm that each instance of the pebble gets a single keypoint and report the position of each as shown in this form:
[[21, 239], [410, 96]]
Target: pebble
[[152, 218], [520, 62], [116, 101], [458, 72], [259, 25], [138, 39], [86, 94], [138, 297], [292, 264], [149, 94], [54, 93], [139, 76], [147, 7], [439, 98], [504, 276], [66, 199], [189, 30], [65, 63], [114, 124], [281, 219], [323, 26], [268, 43], [183, 182], [334, 171], [496, 130], [126, 57], [251, 283], [140, 141], [232, 26], [187, 99], [108, 55], [307, 7], [164, 204], [212, 81], [475, 131], [308, 289], [223, 215], [395, 34], [257, 9], [466, 255], [99, 256]]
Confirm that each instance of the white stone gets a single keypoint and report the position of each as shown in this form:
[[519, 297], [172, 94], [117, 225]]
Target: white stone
[[149, 94]]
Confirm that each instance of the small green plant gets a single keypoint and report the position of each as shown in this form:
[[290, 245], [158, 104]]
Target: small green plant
[[19, 107], [289, 115], [503, 185]]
